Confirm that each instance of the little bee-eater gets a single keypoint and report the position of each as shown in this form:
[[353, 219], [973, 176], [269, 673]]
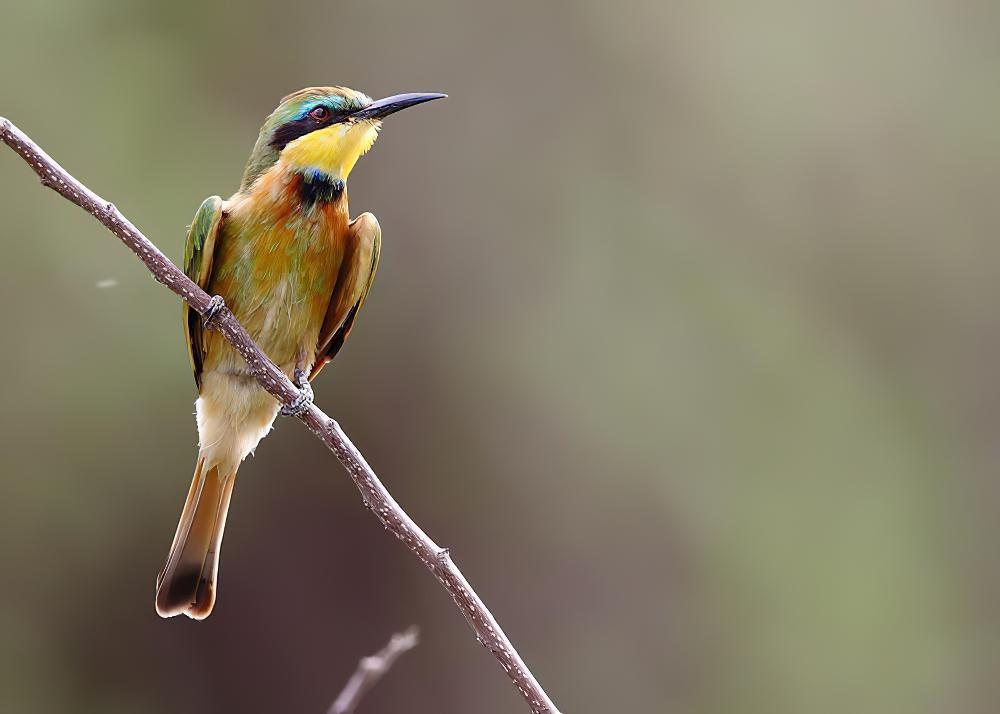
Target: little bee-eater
[[293, 267]]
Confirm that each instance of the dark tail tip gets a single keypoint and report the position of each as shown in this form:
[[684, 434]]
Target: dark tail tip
[[185, 592], [187, 584]]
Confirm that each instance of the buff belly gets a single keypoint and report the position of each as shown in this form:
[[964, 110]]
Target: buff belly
[[234, 412]]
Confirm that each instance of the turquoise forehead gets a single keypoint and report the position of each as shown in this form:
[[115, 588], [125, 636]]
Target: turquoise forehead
[[298, 107], [334, 102]]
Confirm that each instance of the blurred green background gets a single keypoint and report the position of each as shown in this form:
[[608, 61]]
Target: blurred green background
[[684, 340]]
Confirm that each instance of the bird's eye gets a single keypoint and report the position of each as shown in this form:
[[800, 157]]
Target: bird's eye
[[319, 113]]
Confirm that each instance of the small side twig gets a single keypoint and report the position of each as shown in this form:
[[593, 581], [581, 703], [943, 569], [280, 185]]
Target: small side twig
[[371, 669], [374, 494]]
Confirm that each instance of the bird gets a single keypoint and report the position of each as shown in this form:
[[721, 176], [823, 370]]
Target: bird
[[283, 254]]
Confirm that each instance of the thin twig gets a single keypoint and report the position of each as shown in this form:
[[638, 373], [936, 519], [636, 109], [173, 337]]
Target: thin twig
[[371, 669], [373, 494]]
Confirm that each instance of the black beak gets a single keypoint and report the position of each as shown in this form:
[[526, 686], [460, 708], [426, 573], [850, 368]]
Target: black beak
[[381, 108]]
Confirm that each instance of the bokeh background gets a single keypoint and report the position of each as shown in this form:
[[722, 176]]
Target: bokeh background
[[684, 340]]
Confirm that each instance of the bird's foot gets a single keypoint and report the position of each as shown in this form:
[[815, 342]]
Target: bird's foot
[[215, 306], [303, 400]]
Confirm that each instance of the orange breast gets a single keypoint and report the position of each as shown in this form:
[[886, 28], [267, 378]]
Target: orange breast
[[276, 266]]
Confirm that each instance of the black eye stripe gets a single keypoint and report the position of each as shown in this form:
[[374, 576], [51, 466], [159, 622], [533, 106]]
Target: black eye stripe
[[289, 132]]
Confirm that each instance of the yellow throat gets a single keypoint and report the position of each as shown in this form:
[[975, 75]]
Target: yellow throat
[[333, 150]]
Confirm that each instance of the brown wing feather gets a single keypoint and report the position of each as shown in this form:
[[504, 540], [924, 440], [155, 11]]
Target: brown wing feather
[[357, 271], [199, 254]]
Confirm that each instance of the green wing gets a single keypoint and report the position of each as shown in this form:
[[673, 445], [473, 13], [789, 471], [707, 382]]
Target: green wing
[[357, 272], [199, 251]]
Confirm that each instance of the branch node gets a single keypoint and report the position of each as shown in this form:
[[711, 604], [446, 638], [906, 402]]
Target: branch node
[[372, 668]]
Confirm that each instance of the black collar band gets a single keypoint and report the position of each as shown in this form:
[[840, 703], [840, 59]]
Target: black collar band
[[318, 187]]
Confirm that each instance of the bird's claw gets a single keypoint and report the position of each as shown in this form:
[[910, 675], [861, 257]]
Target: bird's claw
[[304, 398], [215, 306]]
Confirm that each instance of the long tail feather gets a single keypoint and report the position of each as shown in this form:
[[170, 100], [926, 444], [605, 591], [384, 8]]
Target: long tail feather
[[187, 583]]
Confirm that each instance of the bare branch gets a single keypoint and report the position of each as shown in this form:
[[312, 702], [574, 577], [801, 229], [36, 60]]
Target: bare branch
[[373, 494], [371, 669]]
